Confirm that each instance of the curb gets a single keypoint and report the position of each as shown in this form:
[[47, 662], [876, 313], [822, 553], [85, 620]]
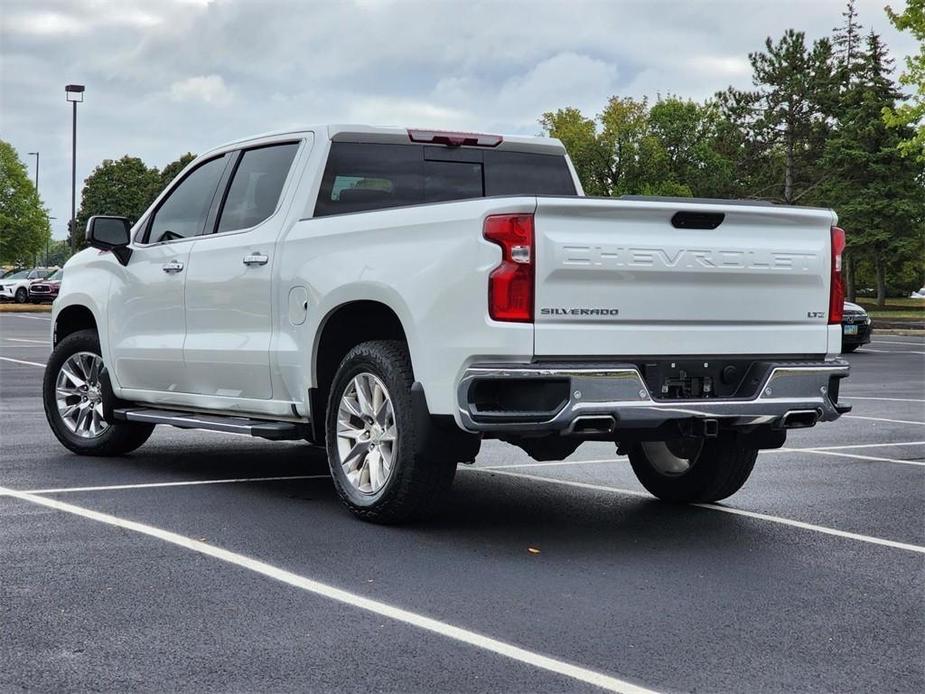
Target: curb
[[25, 308]]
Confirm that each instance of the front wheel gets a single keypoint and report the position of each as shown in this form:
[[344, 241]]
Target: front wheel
[[849, 348], [377, 447], [21, 295], [693, 469], [75, 396]]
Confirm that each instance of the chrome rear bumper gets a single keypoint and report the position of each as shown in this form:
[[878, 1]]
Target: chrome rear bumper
[[793, 394]]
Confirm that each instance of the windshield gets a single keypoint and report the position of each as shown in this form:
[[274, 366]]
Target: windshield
[[56, 275], [21, 275]]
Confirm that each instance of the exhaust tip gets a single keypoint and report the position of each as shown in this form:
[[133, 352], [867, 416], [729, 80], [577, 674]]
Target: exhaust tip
[[598, 424], [800, 419]]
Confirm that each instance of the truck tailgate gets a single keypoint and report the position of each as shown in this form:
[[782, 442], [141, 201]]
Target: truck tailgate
[[618, 277]]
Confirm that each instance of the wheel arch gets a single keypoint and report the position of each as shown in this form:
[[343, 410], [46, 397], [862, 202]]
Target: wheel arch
[[343, 328], [73, 318]]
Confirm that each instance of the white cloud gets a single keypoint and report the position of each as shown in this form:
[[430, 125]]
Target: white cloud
[[157, 73], [209, 89]]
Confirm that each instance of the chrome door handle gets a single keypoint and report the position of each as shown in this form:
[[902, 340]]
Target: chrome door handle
[[172, 266], [255, 259]]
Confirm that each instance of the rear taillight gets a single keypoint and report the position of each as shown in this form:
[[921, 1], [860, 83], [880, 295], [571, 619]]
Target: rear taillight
[[837, 285], [510, 285]]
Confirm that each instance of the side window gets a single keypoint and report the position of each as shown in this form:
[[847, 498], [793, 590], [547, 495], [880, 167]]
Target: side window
[[256, 186], [361, 177], [183, 213]]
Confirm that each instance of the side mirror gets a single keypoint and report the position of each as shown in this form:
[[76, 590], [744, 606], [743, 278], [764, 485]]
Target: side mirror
[[110, 234]]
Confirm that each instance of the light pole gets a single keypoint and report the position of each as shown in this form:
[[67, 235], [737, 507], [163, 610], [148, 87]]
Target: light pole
[[74, 94], [36, 155], [47, 241]]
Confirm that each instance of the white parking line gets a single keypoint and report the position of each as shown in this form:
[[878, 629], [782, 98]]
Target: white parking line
[[20, 361], [866, 445], [914, 343], [187, 483], [852, 455], [722, 509], [831, 450], [508, 650], [552, 463], [881, 419], [858, 397], [889, 351], [22, 339], [23, 315]]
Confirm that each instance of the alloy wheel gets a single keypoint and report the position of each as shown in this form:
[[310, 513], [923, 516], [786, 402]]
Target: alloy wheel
[[79, 397], [366, 433]]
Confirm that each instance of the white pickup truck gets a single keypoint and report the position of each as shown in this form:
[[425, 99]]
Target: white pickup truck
[[400, 295]]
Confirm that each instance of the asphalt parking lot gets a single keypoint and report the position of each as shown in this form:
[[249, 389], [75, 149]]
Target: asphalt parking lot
[[210, 562]]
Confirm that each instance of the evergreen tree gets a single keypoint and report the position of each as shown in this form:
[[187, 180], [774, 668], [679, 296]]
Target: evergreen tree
[[847, 46], [784, 118], [878, 194]]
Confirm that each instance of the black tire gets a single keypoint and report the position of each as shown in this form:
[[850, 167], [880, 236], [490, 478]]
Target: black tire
[[849, 348], [22, 295], [717, 468], [417, 480], [120, 437]]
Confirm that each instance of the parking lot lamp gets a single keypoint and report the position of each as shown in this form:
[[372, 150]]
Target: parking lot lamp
[[75, 94]]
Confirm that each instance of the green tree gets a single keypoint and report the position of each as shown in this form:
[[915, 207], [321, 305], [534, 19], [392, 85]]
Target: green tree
[[169, 172], [911, 113], [124, 187], [691, 135], [878, 194], [784, 118], [847, 46], [580, 137], [58, 253], [24, 227]]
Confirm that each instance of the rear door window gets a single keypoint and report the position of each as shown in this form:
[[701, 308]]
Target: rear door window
[[256, 186]]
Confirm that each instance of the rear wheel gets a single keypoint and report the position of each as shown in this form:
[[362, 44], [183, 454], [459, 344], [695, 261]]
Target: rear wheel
[[377, 447], [76, 394], [693, 469]]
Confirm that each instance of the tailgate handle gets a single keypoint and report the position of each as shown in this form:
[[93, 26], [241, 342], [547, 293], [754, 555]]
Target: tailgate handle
[[697, 220]]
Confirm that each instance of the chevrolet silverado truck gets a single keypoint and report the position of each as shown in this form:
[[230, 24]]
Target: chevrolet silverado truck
[[398, 296]]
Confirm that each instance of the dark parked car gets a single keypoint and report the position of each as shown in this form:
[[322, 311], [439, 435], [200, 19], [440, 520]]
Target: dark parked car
[[855, 327], [46, 289]]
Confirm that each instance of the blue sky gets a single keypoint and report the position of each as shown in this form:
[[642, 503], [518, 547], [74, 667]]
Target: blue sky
[[169, 76]]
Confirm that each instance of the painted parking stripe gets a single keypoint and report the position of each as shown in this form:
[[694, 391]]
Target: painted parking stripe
[[553, 463], [889, 351], [817, 451], [23, 315], [820, 451], [20, 361], [858, 397], [508, 650], [914, 343], [22, 339], [882, 419], [866, 445], [186, 483], [716, 507]]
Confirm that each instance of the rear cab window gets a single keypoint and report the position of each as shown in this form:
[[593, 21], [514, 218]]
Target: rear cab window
[[360, 177]]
